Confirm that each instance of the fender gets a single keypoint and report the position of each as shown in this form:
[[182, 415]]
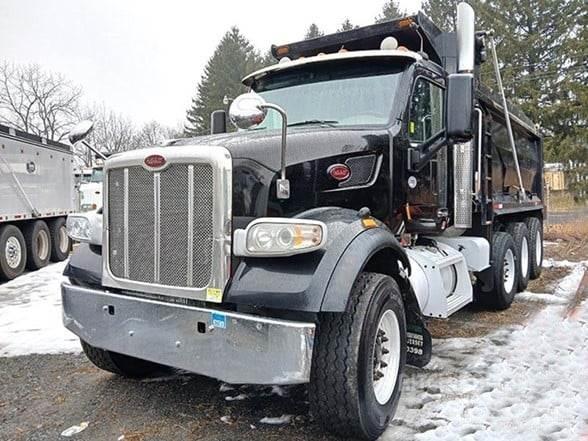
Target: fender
[[85, 265], [319, 281]]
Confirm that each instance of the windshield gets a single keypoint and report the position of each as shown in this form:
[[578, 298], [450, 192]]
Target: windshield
[[97, 175], [332, 94]]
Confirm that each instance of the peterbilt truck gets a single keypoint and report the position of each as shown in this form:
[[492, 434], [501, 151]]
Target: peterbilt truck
[[373, 184], [36, 195]]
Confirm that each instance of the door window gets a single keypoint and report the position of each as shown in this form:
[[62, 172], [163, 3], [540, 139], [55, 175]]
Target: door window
[[426, 111]]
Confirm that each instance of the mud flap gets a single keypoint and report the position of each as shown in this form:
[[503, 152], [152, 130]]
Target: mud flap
[[418, 344]]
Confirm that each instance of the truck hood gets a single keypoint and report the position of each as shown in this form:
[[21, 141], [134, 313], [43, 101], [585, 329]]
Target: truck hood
[[304, 144]]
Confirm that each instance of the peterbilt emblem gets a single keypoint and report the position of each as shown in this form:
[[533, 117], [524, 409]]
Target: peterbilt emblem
[[339, 172], [155, 161]]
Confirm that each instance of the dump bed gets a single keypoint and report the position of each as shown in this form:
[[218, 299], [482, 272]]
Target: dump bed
[[36, 177]]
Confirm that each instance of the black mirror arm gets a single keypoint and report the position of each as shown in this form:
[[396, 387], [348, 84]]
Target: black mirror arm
[[419, 156]]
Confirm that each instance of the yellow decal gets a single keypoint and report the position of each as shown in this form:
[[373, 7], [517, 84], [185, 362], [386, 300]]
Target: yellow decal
[[214, 295], [411, 127]]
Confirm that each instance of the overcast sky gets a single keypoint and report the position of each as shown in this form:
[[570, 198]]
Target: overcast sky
[[144, 58]]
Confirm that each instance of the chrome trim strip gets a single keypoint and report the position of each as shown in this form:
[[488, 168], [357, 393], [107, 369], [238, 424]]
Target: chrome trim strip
[[190, 224], [479, 152], [156, 226], [126, 222]]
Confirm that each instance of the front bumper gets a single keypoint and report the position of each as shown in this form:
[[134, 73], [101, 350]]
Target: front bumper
[[233, 347]]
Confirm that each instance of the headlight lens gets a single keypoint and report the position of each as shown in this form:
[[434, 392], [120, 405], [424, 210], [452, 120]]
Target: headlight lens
[[280, 237], [79, 228]]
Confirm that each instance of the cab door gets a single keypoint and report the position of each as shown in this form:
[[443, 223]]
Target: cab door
[[426, 200]]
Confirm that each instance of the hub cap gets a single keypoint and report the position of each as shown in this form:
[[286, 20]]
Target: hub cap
[[509, 270], [63, 242], [386, 357], [42, 245], [13, 252], [524, 257]]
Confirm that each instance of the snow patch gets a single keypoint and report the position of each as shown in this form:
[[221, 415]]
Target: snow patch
[[277, 421], [30, 315]]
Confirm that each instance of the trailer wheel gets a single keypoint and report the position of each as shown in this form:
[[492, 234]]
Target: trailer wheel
[[359, 360], [520, 235], [503, 271], [119, 364], [13, 252], [535, 227], [60, 241], [38, 240]]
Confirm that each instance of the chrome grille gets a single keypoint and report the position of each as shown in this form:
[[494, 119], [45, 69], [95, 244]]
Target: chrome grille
[[161, 224]]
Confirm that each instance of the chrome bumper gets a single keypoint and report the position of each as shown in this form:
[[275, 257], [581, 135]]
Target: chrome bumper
[[233, 347]]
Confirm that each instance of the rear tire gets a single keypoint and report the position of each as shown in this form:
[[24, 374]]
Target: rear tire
[[60, 241], [13, 252], [520, 235], [358, 360], [119, 364], [535, 227], [38, 239], [504, 273]]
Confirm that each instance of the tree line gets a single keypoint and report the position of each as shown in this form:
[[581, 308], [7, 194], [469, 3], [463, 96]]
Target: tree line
[[542, 48], [48, 104]]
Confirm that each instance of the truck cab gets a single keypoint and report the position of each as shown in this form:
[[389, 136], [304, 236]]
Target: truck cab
[[368, 188]]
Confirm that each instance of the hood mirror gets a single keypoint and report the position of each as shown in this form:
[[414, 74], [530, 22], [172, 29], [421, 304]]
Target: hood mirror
[[80, 131], [247, 110]]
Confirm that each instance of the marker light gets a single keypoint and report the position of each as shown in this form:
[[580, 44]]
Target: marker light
[[279, 237]]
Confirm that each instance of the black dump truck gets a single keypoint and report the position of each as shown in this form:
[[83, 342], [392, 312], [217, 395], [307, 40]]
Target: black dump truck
[[373, 183]]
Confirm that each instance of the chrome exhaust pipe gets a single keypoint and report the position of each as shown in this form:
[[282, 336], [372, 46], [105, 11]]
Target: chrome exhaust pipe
[[466, 38]]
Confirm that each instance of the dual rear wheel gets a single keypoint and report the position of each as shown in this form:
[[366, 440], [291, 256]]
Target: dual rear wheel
[[32, 245]]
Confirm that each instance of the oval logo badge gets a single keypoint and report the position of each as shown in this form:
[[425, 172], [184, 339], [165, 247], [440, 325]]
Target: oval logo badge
[[339, 172], [155, 161]]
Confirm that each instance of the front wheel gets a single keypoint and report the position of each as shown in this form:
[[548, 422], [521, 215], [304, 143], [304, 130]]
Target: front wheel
[[359, 360], [123, 365]]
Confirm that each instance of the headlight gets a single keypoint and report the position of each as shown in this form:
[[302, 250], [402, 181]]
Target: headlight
[[279, 237], [86, 227]]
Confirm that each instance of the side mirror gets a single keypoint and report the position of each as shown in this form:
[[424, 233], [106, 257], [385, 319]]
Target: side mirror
[[247, 110], [218, 122], [80, 131], [460, 107]]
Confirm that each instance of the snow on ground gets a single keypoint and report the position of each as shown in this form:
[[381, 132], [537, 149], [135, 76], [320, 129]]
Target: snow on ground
[[520, 383], [30, 315], [525, 382]]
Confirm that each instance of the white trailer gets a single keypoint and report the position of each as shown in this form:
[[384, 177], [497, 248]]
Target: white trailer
[[36, 195]]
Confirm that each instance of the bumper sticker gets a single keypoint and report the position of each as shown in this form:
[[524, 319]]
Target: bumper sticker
[[219, 320]]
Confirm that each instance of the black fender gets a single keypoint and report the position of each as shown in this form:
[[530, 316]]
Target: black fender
[[319, 281], [85, 265]]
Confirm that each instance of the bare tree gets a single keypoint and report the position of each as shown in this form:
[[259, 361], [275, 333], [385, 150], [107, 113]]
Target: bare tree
[[113, 132], [37, 101]]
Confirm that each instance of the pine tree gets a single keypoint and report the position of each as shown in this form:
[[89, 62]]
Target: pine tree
[[390, 11], [313, 31], [233, 58], [346, 26], [442, 12]]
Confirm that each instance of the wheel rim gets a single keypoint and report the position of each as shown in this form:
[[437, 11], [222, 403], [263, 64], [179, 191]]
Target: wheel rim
[[386, 357], [524, 257], [63, 242], [508, 270], [42, 245], [538, 248], [13, 252]]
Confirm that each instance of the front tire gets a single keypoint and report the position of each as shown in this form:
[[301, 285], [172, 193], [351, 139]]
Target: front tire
[[119, 364], [359, 360]]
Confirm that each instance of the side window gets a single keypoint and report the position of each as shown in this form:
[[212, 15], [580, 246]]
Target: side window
[[426, 111]]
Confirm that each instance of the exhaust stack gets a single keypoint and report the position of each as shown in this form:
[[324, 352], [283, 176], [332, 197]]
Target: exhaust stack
[[466, 36]]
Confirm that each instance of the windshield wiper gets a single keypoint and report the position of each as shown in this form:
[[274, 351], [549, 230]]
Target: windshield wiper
[[325, 122]]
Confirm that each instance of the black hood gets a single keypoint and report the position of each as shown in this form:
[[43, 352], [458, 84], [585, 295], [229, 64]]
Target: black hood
[[304, 144]]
